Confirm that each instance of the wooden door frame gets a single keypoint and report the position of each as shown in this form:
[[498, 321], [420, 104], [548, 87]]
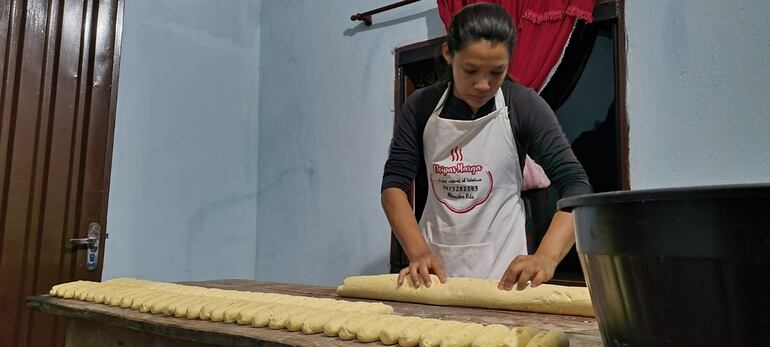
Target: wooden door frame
[[111, 130]]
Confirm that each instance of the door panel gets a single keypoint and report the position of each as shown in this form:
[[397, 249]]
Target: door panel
[[58, 64]]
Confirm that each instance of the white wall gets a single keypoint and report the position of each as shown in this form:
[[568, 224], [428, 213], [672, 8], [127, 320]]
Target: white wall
[[698, 105], [183, 193], [326, 118]]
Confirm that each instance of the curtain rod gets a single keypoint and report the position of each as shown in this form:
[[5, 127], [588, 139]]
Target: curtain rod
[[366, 17]]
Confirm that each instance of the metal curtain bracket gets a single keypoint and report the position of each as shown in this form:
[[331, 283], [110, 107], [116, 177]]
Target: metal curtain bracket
[[366, 17]]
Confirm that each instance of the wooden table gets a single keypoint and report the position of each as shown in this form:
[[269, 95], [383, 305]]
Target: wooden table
[[91, 324]]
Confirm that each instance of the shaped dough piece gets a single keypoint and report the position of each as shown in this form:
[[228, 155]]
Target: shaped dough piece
[[68, 291], [168, 305], [318, 302], [117, 299], [333, 325], [519, 337], [127, 301], [298, 301], [296, 319], [114, 294], [81, 291], [179, 308], [147, 304], [109, 291], [283, 299], [346, 306], [361, 307], [227, 314], [462, 337], [91, 293], [140, 299], [211, 305], [194, 308], [339, 306], [72, 290], [391, 332], [350, 306], [98, 293], [410, 337], [57, 289], [370, 332], [262, 317], [491, 336], [314, 323], [246, 315], [549, 338], [261, 297], [349, 330], [433, 337], [471, 292], [161, 306], [279, 318], [377, 308]]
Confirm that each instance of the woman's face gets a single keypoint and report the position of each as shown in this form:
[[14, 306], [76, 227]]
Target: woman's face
[[478, 69]]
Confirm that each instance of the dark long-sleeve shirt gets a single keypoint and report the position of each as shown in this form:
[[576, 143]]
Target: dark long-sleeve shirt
[[533, 123]]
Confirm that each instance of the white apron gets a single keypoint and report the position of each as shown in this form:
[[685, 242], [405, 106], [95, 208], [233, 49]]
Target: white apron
[[474, 217]]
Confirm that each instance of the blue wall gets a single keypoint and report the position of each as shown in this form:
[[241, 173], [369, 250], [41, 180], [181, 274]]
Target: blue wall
[[325, 121], [698, 92], [183, 194]]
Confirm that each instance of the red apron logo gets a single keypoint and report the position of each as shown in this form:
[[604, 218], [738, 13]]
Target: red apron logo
[[459, 168], [457, 154], [463, 190]]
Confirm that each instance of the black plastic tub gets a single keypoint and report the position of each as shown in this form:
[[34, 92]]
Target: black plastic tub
[[677, 267]]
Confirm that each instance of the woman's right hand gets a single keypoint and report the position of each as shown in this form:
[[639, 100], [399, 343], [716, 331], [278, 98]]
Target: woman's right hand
[[420, 269], [395, 202]]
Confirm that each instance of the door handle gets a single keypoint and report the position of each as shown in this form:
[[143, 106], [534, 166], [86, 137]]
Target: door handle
[[92, 245], [90, 242]]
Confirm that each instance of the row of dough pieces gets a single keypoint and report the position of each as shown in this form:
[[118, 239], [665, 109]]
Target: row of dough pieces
[[141, 294], [366, 322]]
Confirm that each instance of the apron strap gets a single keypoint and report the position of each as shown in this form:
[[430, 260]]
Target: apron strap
[[442, 100], [499, 99]]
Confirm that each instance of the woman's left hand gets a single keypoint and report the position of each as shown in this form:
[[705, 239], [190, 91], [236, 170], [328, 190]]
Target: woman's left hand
[[525, 268]]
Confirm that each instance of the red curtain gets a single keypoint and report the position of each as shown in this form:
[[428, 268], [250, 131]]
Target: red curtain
[[544, 27]]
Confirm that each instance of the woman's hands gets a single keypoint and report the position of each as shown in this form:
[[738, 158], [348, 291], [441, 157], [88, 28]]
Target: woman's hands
[[421, 267], [539, 267], [422, 261], [526, 268]]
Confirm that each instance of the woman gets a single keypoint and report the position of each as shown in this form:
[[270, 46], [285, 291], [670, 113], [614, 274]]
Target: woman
[[468, 138]]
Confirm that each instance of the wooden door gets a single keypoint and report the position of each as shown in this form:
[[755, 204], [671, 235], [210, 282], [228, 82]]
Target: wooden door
[[58, 79]]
